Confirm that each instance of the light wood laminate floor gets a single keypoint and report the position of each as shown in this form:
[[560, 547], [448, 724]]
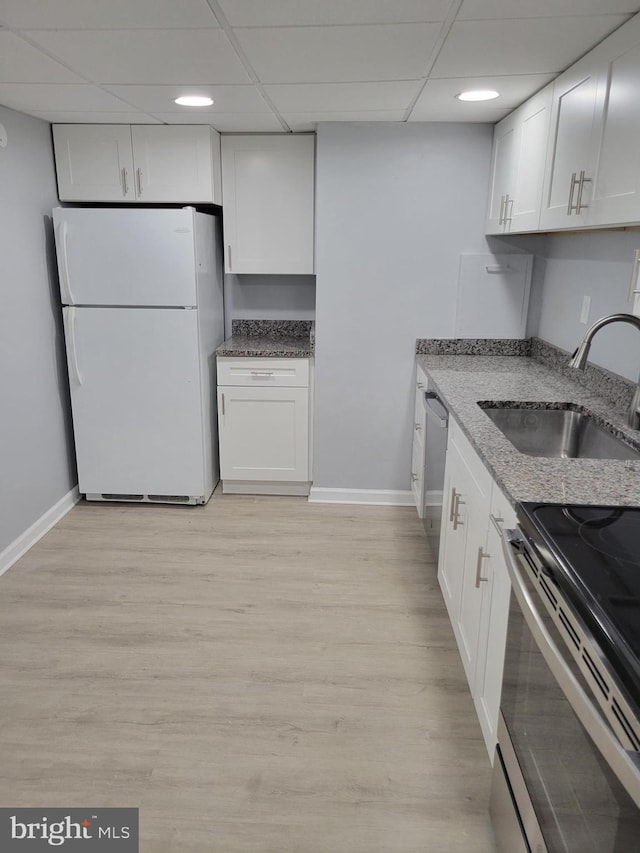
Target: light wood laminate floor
[[260, 674]]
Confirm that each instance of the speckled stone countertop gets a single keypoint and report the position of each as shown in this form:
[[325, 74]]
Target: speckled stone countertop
[[269, 339], [462, 380]]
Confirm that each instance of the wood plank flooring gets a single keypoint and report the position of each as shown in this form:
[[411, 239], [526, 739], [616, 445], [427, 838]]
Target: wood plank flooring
[[260, 675]]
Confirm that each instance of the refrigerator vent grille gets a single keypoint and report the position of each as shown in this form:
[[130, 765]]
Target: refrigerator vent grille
[[108, 497], [174, 499]]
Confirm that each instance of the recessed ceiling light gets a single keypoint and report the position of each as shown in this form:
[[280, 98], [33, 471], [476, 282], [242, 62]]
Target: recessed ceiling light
[[478, 95], [193, 101]]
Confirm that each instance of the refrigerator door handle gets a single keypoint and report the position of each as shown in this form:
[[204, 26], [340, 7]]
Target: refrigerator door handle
[[65, 287], [69, 318]]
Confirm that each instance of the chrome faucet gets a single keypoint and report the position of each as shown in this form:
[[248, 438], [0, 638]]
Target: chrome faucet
[[579, 359]]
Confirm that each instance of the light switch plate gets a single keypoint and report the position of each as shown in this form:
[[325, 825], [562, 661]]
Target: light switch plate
[[3, 136]]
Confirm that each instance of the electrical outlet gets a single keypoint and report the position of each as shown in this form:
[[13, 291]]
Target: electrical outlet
[[586, 307]]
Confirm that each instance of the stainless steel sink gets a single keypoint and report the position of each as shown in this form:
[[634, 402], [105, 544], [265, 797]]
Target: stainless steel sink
[[562, 433]]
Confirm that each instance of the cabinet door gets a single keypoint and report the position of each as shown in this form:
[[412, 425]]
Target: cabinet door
[[453, 532], [616, 192], [264, 433], [268, 196], [172, 163], [502, 173], [417, 473], [525, 195], [474, 593], [493, 622], [93, 162], [418, 453], [571, 148]]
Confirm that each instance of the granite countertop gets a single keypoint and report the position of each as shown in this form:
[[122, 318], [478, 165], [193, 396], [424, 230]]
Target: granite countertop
[[257, 346], [269, 339], [462, 380]]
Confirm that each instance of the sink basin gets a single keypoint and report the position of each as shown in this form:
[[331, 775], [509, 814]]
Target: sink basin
[[561, 432]]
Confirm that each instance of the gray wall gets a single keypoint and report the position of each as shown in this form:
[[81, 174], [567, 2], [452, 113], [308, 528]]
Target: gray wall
[[36, 457], [597, 264], [396, 204], [268, 297]]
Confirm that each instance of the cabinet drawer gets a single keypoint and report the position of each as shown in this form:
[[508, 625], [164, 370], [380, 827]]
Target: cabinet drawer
[[279, 372]]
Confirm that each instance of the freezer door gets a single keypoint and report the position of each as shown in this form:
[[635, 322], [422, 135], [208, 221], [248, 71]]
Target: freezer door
[[136, 400], [111, 256]]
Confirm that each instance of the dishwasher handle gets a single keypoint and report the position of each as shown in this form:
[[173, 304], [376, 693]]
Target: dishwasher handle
[[437, 408]]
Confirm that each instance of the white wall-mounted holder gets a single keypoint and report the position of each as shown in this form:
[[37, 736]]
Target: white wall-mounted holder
[[493, 296], [3, 136]]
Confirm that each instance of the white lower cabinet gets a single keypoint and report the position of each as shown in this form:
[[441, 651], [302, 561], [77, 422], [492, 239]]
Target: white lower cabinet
[[418, 446], [473, 575], [492, 634], [263, 418]]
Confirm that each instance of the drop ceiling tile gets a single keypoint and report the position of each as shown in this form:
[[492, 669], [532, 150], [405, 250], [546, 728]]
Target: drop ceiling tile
[[231, 122], [499, 9], [305, 97], [291, 13], [72, 117], [339, 54], [309, 121], [107, 14], [22, 63], [544, 45], [226, 99], [145, 56], [438, 102], [58, 97]]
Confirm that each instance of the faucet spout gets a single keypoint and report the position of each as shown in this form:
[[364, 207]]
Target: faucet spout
[[578, 360]]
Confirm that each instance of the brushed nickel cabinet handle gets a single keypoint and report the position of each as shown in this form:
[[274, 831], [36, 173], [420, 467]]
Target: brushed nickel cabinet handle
[[479, 578], [452, 505], [572, 187], [582, 181], [497, 522], [456, 516], [125, 184], [139, 176]]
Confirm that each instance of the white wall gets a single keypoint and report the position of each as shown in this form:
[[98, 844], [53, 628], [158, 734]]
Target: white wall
[[36, 456], [396, 205], [268, 297], [596, 264]]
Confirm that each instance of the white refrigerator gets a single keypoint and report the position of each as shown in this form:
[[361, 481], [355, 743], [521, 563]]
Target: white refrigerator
[[142, 295]]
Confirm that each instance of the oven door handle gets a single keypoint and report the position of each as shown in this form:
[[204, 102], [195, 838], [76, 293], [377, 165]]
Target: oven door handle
[[625, 764]]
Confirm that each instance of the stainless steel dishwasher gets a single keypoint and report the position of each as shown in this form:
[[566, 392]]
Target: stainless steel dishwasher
[[436, 427]]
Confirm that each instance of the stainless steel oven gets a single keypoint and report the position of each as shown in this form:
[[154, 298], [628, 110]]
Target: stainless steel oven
[[567, 770]]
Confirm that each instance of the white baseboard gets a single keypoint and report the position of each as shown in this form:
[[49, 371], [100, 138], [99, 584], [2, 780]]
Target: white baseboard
[[26, 540], [433, 498], [259, 487], [380, 497]]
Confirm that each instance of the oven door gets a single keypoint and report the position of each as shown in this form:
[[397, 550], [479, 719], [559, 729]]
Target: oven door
[[570, 784]]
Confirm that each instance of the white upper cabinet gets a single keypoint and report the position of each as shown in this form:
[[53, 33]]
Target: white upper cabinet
[[572, 149], [583, 134], [502, 173], [519, 152], [143, 163], [615, 198], [174, 162], [268, 196], [94, 162]]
